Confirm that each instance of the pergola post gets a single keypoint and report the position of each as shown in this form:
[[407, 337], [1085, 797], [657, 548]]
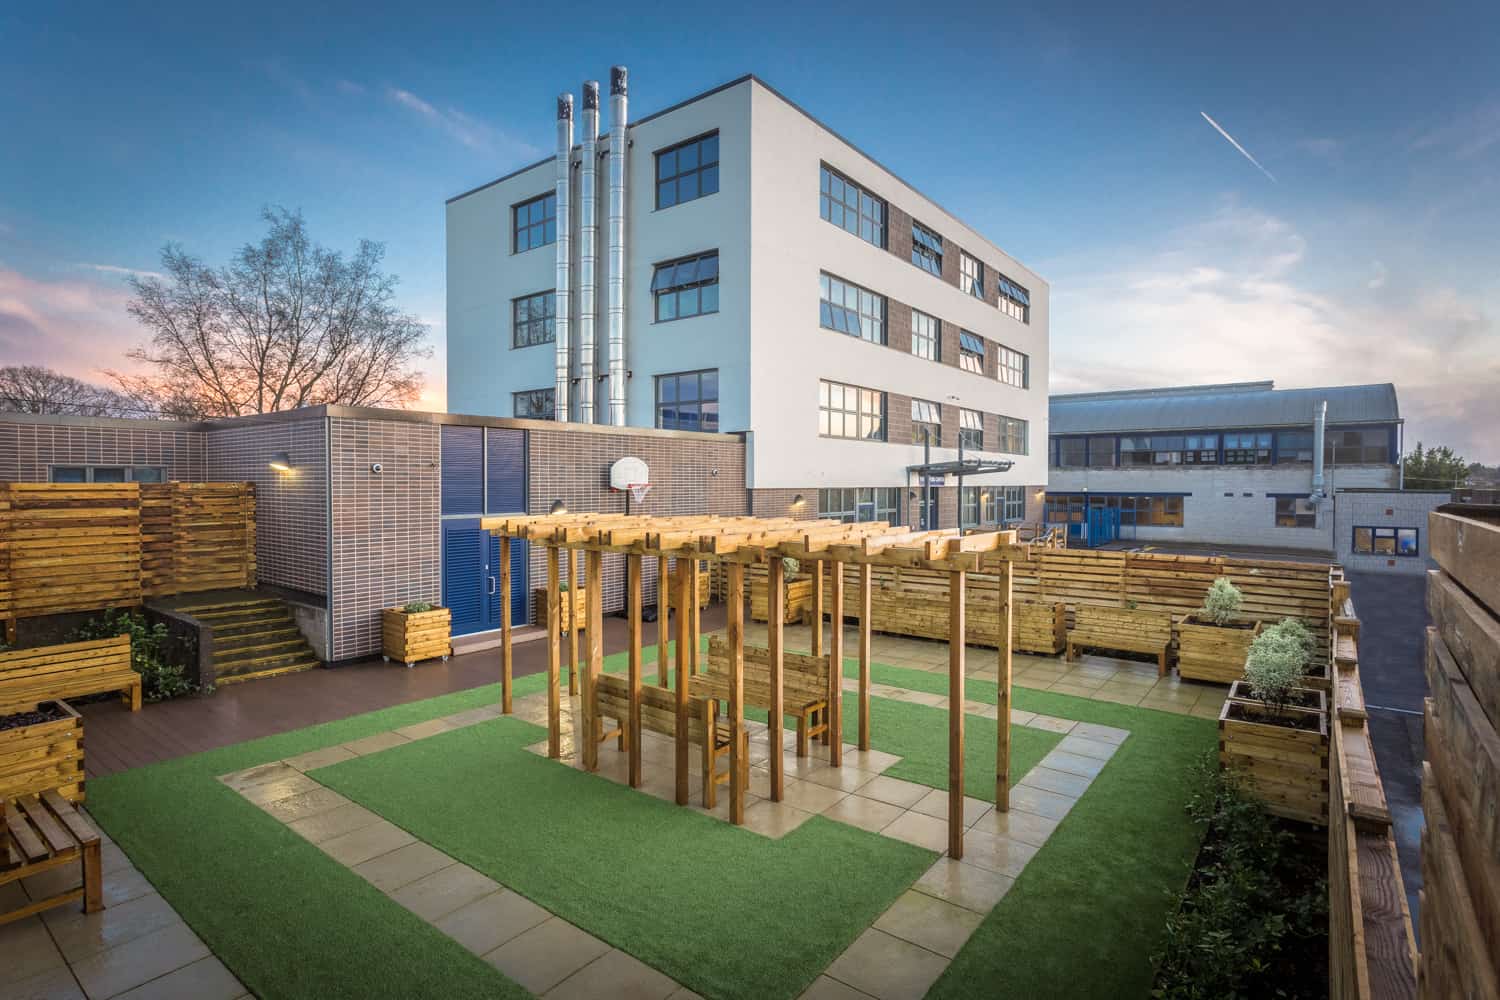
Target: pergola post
[[593, 602], [697, 617], [835, 733], [956, 581], [865, 579], [507, 662], [1002, 717], [684, 623], [633, 566], [817, 609], [663, 614], [554, 654], [736, 637], [775, 612], [571, 622]]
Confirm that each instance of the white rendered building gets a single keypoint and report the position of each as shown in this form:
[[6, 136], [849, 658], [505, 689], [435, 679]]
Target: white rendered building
[[735, 265]]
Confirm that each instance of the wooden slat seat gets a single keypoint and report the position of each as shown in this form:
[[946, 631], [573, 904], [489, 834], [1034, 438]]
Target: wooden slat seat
[[804, 686], [1121, 628], [42, 832], [70, 670], [659, 715]]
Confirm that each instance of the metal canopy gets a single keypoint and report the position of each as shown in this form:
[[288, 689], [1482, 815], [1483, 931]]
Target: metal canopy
[[962, 467]]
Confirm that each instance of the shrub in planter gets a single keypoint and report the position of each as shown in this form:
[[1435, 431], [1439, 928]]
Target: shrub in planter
[[1212, 643], [419, 630], [160, 679], [1221, 604]]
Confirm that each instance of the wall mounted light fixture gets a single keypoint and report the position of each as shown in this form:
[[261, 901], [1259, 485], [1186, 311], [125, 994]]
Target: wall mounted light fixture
[[798, 500], [558, 507], [281, 462]]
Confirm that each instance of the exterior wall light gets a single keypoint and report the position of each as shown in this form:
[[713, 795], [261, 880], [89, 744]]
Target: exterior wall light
[[281, 462], [558, 507], [798, 501]]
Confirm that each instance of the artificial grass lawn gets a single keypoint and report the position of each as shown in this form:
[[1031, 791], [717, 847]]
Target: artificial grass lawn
[[724, 911]]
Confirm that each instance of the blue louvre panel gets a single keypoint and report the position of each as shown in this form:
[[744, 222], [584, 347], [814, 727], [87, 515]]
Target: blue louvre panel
[[518, 583], [463, 470], [464, 583], [505, 470]]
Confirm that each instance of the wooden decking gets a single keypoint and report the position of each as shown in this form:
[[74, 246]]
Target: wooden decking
[[119, 740]]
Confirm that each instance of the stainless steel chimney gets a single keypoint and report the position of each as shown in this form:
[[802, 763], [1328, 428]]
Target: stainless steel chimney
[[564, 247], [588, 241], [617, 142], [1320, 425]]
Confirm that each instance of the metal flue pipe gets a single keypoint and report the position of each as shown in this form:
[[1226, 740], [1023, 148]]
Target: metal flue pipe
[[1320, 426], [588, 235], [564, 248], [618, 80]]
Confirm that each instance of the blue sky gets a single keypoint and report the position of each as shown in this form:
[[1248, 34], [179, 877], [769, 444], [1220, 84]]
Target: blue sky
[[1069, 134]]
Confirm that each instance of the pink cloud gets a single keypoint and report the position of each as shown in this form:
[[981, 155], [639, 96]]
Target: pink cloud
[[78, 326]]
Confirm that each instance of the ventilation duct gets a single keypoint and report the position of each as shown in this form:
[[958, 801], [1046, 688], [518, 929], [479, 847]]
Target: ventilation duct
[[564, 247], [617, 143], [588, 242], [1320, 426]]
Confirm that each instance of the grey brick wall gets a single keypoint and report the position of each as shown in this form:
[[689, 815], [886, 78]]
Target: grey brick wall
[[1395, 509], [28, 446]]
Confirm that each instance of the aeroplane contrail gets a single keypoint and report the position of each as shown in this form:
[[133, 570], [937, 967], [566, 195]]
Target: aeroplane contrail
[[1243, 151]]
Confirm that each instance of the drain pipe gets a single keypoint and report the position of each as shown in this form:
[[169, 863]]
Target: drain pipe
[[588, 232], [618, 79], [564, 247], [1320, 426]]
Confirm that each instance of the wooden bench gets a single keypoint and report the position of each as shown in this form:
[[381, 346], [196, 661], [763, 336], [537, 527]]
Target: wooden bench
[[804, 686], [659, 715], [71, 670], [1121, 628], [42, 832]]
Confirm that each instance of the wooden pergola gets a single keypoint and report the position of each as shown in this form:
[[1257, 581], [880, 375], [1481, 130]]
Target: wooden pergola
[[826, 546]]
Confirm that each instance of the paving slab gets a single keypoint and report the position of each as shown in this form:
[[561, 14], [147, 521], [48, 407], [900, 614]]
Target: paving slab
[[970, 886], [926, 920], [886, 967], [488, 922], [546, 954], [617, 975], [148, 957]]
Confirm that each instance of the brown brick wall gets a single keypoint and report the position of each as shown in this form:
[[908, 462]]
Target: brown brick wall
[[950, 261], [27, 449], [948, 348], [950, 424], [898, 325], [386, 544], [898, 232], [947, 506], [778, 503], [897, 418]]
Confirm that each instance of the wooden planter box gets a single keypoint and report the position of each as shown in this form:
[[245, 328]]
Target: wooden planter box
[[796, 602], [1287, 768], [1210, 652], [421, 635], [44, 755], [1038, 628], [580, 607]]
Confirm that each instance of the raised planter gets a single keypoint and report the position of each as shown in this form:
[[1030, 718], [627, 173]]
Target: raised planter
[[580, 607], [796, 601], [1038, 628], [42, 749], [1207, 651], [1283, 754], [416, 635]]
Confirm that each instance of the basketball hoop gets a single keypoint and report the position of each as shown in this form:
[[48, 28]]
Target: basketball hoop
[[630, 476]]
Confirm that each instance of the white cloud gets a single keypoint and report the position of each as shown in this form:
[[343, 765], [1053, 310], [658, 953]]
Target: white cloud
[[129, 272], [76, 326], [1377, 279], [463, 128], [350, 87], [1466, 134]]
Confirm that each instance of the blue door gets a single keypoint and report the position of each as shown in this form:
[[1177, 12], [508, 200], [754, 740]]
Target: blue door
[[483, 472], [466, 575]]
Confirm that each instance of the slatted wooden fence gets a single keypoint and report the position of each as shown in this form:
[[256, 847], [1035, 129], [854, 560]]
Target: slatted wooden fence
[[197, 536]]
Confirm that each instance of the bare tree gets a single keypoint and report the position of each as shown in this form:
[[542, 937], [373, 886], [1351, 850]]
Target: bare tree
[[34, 389], [286, 323]]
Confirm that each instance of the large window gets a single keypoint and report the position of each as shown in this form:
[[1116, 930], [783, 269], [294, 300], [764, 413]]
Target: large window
[[1294, 447], [1014, 498], [926, 249], [1140, 511], [1296, 512], [1169, 449], [971, 430], [688, 401], [848, 206], [1361, 446], [851, 309], [877, 503], [970, 352], [970, 275], [1015, 301], [1247, 448], [1069, 453], [1015, 368], [106, 474], [1013, 436], [686, 287], [926, 336], [535, 404], [688, 170], [533, 319], [1102, 452], [968, 505], [926, 423], [1386, 542], [847, 411], [534, 223]]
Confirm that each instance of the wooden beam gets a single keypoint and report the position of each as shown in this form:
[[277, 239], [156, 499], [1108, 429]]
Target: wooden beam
[[817, 608], [1002, 716], [697, 614], [593, 599], [864, 655], [663, 614], [571, 621], [956, 624], [633, 568], [776, 611], [554, 653], [684, 623], [507, 661], [736, 637], [836, 666]]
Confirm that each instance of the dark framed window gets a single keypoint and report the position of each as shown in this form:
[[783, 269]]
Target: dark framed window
[[534, 223], [1359, 446], [1294, 447], [970, 352], [971, 430], [1013, 436], [106, 474], [1102, 452], [849, 411], [1071, 453], [533, 319], [535, 404], [1014, 498], [687, 170], [850, 207], [970, 275], [968, 505], [926, 336], [1015, 301], [1247, 448], [926, 423], [1164, 511], [850, 309], [686, 287], [1371, 541], [1015, 368], [1296, 512], [688, 401], [926, 249], [866, 503]]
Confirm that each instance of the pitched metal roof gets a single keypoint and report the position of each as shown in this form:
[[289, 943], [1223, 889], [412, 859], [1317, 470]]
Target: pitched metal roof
[[1207, 407]]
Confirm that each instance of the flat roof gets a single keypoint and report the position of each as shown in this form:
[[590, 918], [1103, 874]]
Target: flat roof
[[1226, 405]]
